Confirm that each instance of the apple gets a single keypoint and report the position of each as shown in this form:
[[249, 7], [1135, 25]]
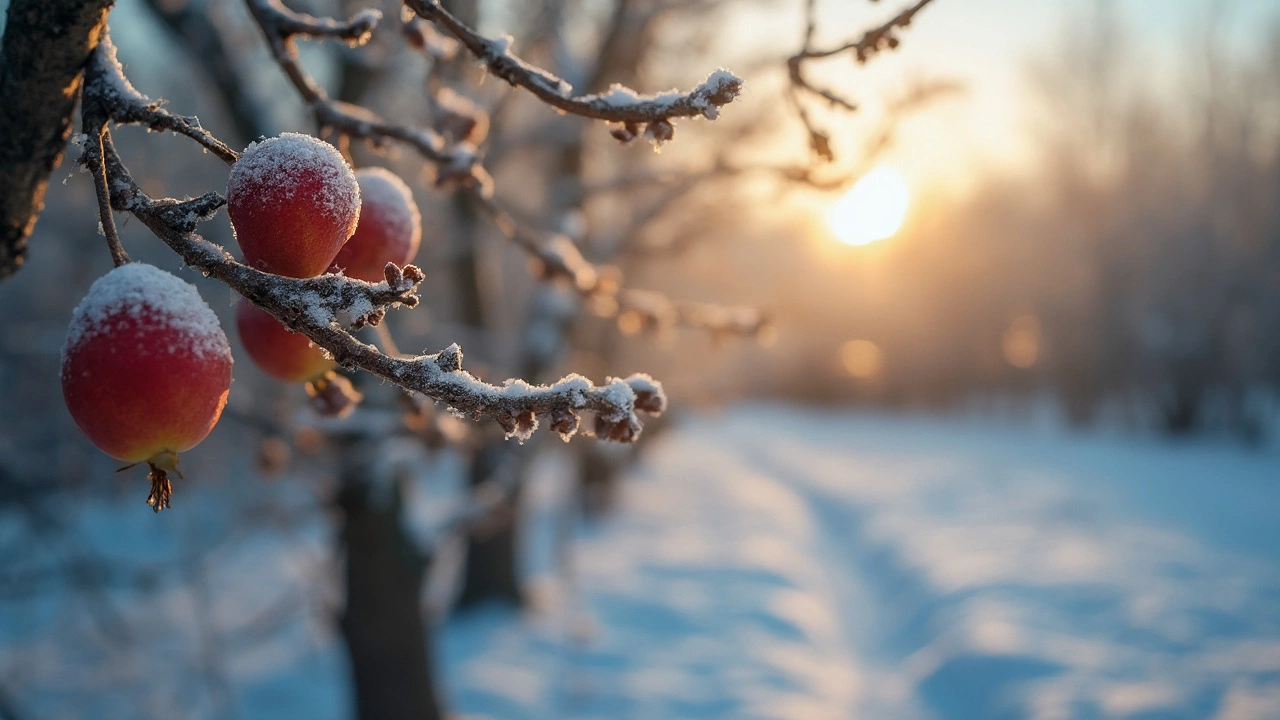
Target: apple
[[389, 230], [293, 202], [146, 369]]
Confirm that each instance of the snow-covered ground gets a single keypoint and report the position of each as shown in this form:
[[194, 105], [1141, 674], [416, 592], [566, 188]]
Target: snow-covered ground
[[766, 562], [771, 562]]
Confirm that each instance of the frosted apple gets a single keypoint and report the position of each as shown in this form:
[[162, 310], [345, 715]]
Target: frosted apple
[[292, 357], [293, 202], [287, 356], [389, 229], [146, 369]]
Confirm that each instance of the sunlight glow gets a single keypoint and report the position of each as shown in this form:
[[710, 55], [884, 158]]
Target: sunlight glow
[[872, 210]]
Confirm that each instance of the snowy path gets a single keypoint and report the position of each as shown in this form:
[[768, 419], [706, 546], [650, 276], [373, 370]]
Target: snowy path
[[784, 564]]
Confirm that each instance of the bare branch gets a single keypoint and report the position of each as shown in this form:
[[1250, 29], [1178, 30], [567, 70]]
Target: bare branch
[[877, 39], [882, 37], [93, 159]]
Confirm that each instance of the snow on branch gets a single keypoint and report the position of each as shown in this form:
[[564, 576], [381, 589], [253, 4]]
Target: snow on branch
[[326, 308], [635, 114], [121, 102], [280, 25]]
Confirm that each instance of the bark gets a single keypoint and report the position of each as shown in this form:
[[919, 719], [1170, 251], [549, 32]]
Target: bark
[[46, 43], [387, 637]]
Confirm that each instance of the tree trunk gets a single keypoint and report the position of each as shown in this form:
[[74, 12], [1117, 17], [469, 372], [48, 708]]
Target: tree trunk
[[492, 570], [46, 43], [387, 638]]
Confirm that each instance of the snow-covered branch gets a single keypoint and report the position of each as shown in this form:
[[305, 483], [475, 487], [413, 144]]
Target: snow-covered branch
[[557, 256], [116, 99], [455, 164], [637, 114]]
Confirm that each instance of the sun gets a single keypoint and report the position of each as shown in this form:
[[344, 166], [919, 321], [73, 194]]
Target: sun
[[872, 210]]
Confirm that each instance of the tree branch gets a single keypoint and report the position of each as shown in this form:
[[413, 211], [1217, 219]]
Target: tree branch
[[280, 26], [619, 105], [877, 39]]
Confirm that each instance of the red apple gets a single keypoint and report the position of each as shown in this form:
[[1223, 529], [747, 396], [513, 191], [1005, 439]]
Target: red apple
[[389, 230], [283, 355], [292, 357], [146, 369], [293, 202]]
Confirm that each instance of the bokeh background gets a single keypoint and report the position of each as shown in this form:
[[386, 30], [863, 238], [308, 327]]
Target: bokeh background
[[1018, 458]]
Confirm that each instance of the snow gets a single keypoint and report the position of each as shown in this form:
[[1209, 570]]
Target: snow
[[115, 86], [272, 167], [764, 562], [719, 88], [771, 562], [146, 293]]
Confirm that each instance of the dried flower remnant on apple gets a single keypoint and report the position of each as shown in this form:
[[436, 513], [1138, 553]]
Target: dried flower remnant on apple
[[146, 370]]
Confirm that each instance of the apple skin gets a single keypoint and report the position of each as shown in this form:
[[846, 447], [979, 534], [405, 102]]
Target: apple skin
[[293, 202], [389, 230], [286, 356], [139, 388]]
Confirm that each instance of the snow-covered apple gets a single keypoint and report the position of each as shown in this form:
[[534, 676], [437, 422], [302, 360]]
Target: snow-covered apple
[[389, 230], [146, 369], [293, 202]]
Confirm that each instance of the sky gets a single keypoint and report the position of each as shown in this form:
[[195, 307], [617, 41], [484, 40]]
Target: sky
[[988, 44]]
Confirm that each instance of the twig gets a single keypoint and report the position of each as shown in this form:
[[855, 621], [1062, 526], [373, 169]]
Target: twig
[[873, 41], [280, 26], [106, 221], [620, 105]]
